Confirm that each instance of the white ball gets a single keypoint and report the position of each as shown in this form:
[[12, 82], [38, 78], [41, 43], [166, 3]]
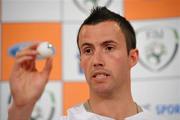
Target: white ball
[[45, 49]]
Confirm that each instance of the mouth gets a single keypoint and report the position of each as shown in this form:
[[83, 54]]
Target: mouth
[[100, 75]]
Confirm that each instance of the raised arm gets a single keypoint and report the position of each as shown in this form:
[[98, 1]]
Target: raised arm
[[27, 83]]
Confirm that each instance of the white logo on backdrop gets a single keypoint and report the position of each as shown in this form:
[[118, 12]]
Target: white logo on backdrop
[[86, 5], [157, 45], [45, 107]]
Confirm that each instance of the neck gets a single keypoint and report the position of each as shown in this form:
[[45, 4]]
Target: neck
[[117, 106]]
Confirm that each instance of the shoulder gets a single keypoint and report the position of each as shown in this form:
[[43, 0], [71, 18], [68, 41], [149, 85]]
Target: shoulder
[[72, 111], [145, 115], [79, 108]]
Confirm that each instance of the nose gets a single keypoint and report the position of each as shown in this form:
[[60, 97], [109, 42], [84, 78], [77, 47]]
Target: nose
[[98, 60]]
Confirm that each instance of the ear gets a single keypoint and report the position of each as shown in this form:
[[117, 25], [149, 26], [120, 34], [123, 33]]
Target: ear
[[133, 57]]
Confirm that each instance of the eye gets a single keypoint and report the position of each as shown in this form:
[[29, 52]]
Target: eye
[[87, 51], [109, 48]]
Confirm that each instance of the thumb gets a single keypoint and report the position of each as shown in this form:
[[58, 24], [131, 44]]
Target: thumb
[[47, 67]]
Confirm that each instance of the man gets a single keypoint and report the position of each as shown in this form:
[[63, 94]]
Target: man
[[107, 46]]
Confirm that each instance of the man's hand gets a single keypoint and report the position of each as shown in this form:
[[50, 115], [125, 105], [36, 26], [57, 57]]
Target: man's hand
[[26, 83]]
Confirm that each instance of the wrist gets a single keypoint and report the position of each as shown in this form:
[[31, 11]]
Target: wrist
[[20, 112]]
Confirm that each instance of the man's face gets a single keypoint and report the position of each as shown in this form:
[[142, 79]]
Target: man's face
[[104, 58]]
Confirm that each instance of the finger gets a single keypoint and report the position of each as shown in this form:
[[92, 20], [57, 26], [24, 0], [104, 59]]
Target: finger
[[29, 65], [32, 65], [32, 46], [47, 67], [28, 50], [18, 66], [26, 53], [22, 62]]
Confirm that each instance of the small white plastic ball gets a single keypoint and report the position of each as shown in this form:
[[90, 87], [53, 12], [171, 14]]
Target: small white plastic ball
[[45, 49]]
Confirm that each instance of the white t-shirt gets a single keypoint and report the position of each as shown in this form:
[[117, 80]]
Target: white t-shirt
[[79, 113]]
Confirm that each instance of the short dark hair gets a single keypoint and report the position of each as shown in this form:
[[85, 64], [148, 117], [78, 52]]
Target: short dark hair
[[101, 14]]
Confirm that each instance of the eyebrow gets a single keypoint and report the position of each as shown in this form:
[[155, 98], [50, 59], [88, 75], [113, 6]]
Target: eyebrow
[[108, 42], [86, 44], [102, 44]]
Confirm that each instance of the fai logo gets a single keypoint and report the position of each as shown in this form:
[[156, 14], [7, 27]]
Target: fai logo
[[87, 5], [157, 46], [45, 108]]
